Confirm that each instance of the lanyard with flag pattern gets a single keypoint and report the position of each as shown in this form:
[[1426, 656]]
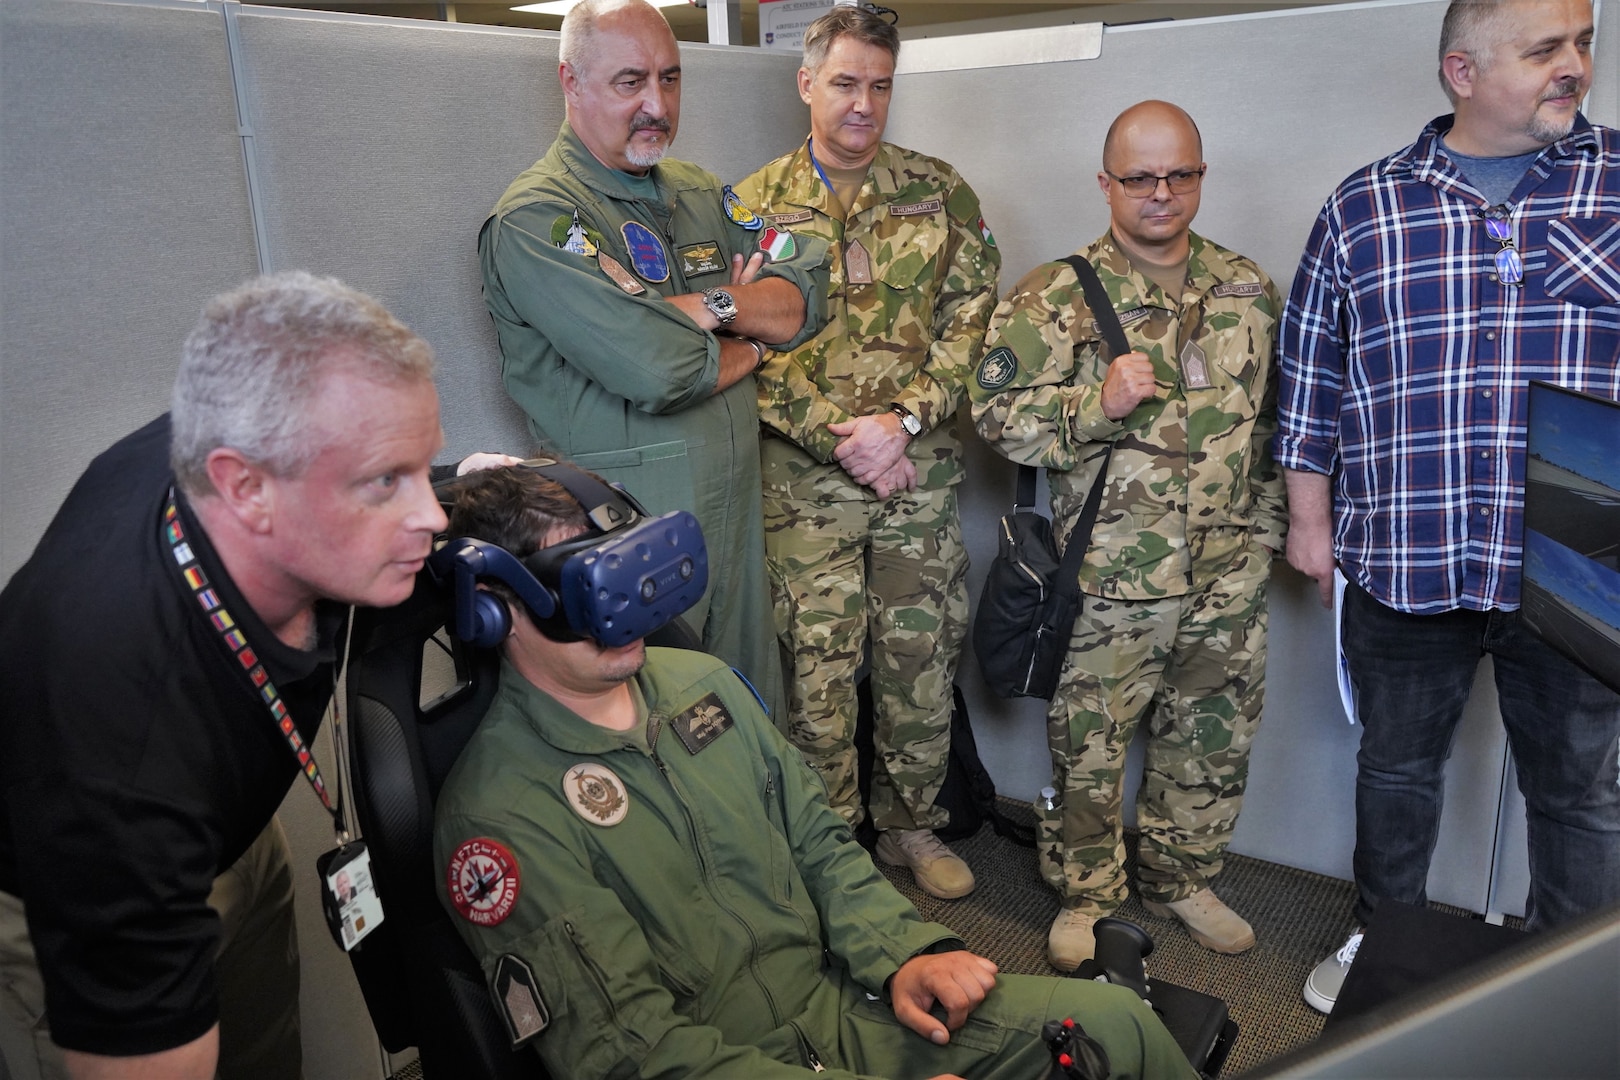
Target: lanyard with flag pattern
[[236, 642]]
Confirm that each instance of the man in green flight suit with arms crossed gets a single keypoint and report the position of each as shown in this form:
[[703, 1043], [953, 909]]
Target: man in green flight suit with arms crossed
[[632, 295], [655, 885], [1173, 628], [860, 453]]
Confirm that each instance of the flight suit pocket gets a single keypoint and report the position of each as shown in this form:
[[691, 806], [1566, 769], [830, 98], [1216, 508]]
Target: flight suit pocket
[[781, 875], [585, 1021], [1583, 260], [659, 475]]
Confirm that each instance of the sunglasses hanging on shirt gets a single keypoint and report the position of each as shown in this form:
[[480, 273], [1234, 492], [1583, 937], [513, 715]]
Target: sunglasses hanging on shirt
[[1499, 227]]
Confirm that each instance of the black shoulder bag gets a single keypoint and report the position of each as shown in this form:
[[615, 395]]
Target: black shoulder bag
[[1031, 597]]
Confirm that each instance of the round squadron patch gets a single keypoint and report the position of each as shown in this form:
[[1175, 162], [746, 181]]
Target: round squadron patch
[[738, 212], [483, 881], [997, 368], [596, 794]]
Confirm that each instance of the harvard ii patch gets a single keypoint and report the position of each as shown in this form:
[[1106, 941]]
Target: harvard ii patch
[[703, 723], [596, 793], [517, 996], [1237, 288], [483, 881], [997, 368], [568, 233]]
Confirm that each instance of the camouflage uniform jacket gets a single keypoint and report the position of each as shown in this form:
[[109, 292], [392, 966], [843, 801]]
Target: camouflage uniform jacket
[[912, 335], [690, 906], [1192, 477]]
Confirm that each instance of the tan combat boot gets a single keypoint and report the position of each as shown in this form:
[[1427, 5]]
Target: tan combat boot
[[938, 870], [1211, 923], [1072, 940]]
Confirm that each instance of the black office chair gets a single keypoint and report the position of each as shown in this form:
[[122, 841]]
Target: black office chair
[[421, 984]]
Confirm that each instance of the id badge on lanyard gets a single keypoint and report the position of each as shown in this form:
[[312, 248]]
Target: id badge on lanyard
[[348, 893]]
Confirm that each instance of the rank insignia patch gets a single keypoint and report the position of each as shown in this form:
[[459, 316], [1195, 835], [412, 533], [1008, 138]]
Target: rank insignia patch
[[619, 275], [517, 996], [777, 243], [596, 793], [647, 256], [739, 213], [997, 368], [568, 233], [701, 259], [483, 881], [703, 723]]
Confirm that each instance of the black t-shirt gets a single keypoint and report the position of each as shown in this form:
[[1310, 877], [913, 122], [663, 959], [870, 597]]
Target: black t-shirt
[[137, 762]]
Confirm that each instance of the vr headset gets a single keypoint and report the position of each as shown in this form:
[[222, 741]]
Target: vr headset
[[628, 575]]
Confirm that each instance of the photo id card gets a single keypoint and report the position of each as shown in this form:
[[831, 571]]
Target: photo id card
[[349, 900]]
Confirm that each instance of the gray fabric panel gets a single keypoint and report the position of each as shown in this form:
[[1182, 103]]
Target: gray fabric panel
[[122, 208], [383, 146]]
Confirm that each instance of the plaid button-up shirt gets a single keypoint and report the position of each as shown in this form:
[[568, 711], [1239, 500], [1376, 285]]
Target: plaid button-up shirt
[[1406, 363]]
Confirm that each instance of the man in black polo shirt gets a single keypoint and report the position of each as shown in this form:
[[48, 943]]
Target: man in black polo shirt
[[199, 560]]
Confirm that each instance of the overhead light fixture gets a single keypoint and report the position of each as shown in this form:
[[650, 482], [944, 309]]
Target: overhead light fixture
[[560, 7]]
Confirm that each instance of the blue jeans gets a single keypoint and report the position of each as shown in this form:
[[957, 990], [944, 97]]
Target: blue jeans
[[1412, 675]]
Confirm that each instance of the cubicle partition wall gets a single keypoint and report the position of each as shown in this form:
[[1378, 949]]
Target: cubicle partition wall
[[155, 152]]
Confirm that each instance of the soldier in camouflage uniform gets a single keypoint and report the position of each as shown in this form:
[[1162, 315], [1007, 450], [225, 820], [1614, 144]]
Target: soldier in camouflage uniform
[[861, 457], [1173, 629]]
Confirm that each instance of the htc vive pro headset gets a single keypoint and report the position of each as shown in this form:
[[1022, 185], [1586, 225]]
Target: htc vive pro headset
[[626, 576]]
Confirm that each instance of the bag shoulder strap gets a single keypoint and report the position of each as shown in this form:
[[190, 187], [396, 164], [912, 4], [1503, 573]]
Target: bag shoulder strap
[[1102, 309]]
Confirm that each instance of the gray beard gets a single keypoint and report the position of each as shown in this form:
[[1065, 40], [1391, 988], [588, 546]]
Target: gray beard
[[645, 159]]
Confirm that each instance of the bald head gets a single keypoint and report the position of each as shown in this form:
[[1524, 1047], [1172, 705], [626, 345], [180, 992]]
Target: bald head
[[579, 45], [1147, 116]]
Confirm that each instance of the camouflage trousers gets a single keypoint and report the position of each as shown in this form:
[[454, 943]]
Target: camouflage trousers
[[894, 571], [1193, 669]]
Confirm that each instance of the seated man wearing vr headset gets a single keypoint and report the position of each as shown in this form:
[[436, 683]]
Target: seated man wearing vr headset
[[650, 876]]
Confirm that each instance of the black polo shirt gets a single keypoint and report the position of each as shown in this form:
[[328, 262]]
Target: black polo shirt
[[137, 762]]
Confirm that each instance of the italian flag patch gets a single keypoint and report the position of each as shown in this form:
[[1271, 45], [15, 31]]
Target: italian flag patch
[[777, 243]]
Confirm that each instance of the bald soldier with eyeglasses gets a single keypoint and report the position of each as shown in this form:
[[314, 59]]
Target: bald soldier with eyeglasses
[[1172, 632]]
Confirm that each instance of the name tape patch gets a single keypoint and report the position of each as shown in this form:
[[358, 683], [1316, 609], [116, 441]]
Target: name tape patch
[[927, 206]]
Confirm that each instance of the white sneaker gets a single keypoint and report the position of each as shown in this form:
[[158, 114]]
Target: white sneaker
[[1323, 984]]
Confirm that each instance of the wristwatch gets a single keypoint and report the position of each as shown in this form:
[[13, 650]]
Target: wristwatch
[[722, 304], [908, 419]]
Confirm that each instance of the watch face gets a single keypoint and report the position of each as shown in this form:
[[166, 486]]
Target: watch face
[[721, 303]]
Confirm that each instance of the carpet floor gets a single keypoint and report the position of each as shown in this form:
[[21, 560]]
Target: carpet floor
[[1298, 918]]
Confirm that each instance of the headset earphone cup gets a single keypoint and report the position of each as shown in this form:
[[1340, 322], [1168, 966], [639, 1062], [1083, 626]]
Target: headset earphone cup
[[491, 621]]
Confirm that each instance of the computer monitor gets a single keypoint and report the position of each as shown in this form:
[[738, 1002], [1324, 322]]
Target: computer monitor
[[1571, 595]]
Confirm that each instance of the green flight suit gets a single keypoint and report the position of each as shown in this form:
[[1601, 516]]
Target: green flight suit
[[691, 906], [1174, 620], [912, 285], [620, 383]]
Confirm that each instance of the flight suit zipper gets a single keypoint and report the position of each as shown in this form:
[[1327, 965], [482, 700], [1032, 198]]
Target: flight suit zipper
[[654, 725]]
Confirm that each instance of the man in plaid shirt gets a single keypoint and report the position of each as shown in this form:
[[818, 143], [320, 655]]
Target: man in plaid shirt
[[1435, 285]]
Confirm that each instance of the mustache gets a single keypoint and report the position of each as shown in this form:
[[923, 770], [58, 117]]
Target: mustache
[[1564, 88], [642, 122]]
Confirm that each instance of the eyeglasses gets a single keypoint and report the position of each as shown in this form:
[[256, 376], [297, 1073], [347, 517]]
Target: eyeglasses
[[1509, 267], [1183, 182]]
